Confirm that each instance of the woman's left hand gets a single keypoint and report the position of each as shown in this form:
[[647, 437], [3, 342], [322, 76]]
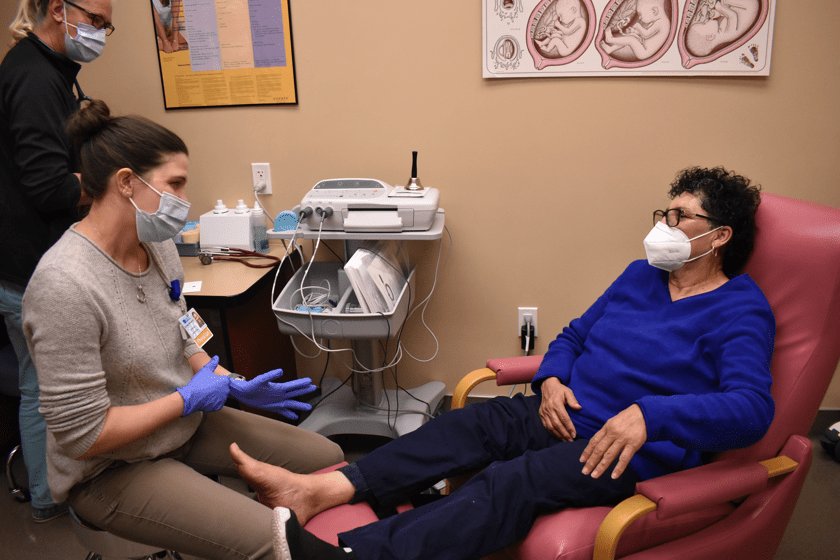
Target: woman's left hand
[[621, 437], [261, 392]]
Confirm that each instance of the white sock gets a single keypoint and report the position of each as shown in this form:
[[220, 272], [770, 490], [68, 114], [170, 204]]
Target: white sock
[[278, 525]]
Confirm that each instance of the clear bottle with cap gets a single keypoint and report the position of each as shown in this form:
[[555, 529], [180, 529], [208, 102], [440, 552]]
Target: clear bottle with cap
[[241, 207], [259, 229]]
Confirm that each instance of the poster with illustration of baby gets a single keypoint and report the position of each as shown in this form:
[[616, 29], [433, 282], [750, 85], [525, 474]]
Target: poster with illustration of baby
[[545, 38]]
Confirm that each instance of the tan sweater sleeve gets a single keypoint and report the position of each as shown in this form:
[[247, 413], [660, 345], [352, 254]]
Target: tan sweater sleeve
[[63, 329]]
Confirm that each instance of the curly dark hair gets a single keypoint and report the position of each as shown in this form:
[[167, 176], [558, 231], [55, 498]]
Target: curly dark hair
[[730, 200]]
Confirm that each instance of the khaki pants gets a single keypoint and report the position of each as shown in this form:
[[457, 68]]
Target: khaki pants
[[171, 503]]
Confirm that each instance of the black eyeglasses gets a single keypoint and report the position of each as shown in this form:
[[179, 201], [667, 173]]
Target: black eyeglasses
[[673, 216], [96, 20]]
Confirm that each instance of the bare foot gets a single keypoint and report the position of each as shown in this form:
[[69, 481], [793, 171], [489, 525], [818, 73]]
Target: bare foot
[[306, 495]]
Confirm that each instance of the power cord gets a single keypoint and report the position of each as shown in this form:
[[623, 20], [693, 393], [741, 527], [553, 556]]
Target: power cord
[[292, 245], [257, 197], [527, 334], [425, 302], [311, 260]]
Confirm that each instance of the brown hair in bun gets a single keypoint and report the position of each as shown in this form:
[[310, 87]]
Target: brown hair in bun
[[107, 144]]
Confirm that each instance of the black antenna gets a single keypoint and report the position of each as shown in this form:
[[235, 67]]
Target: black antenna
[[414, 182]]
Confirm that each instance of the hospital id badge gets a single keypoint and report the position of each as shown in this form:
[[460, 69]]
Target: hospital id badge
[[195, 327]]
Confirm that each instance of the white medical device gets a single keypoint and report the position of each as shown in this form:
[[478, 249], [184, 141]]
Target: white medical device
[[369, 205], [227, 227]]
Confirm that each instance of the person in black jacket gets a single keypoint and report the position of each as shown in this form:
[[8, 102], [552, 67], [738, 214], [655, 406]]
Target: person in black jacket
[[40, 193]]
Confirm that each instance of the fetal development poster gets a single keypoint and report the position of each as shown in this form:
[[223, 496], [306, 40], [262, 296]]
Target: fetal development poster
[[552, 38]]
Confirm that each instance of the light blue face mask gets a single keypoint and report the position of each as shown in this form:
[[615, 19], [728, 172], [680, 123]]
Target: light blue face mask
[[170, 218], [88, 43]]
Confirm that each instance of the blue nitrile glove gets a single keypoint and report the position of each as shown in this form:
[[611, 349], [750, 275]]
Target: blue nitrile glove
[[260, 392], [206, 391]]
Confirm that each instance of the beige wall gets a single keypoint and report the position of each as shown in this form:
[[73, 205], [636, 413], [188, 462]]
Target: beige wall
[[548, 184]]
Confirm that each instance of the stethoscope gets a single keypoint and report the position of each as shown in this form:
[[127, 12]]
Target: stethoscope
[[238, 255], [80, 95]]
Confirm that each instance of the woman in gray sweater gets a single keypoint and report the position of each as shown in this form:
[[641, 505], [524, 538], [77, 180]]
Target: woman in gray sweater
[[134, 408]]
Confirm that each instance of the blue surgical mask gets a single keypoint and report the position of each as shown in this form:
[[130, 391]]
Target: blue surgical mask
[[170, 218], [88, 43]]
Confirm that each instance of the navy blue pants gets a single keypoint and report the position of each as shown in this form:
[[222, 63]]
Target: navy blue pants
[[528, 472]]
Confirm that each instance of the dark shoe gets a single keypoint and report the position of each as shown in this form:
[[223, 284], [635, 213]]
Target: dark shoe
[[42, 515], [293, 542]]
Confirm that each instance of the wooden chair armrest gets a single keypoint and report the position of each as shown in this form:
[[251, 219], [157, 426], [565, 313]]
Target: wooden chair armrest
[[631, 509], [468, 383], [616, 522]]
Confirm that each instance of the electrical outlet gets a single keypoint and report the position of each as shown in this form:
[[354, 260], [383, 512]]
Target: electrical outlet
[[261, 173], [532, 311]]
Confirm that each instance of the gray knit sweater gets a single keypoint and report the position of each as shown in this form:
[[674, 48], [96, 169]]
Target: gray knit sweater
[[95, 345]]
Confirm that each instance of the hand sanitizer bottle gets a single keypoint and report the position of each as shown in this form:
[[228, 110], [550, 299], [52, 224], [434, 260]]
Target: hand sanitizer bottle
[[259, 229]]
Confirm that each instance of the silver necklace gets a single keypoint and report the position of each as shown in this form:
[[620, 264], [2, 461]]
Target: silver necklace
[[141, 295]]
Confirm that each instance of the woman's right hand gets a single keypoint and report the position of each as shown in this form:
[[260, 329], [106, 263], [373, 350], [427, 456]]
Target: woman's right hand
[[555, 398], [206, 391], [126, 424]]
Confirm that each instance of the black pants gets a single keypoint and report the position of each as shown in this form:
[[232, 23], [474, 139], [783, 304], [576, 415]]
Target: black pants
[[528, 472]]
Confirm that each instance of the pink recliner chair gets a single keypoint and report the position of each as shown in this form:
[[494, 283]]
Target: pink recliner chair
[[739, 505]]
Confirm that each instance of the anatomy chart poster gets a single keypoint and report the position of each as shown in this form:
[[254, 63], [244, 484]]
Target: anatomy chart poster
[[545, 38], [216, 53]]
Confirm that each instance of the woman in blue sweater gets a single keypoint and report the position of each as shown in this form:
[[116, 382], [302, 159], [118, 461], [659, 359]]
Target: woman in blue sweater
[[671, 362]]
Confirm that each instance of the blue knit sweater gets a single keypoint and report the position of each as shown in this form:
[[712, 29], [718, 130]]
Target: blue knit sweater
[[699, 367]]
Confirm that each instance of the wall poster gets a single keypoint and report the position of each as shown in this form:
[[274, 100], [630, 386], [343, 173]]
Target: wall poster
[[545, 38], [216, 53]]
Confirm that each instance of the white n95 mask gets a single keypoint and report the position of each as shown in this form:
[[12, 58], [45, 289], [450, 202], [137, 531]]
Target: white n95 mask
[[669, 248], [170, 218]]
